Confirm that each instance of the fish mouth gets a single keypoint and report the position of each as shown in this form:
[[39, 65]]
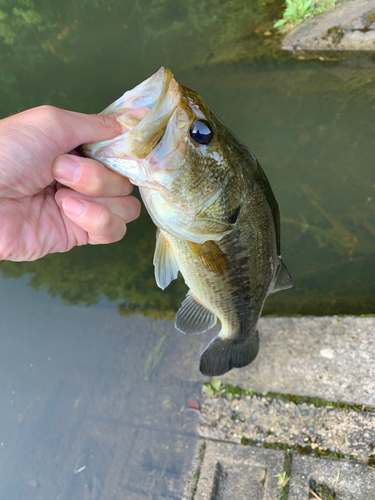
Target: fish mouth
[[160, 94], [148, 94]]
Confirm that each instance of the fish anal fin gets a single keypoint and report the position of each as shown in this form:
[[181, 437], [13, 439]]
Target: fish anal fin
[[165, 263], [283, 279], [210, 255], [193, 317], [223, 354]]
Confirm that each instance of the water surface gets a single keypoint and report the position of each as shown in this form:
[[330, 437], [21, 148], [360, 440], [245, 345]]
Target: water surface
[[102, 387]]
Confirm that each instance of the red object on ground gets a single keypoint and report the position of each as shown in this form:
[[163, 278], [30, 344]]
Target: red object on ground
[[192, 404]]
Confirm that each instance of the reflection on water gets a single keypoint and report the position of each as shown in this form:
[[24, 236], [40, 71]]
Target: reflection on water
[[105, 390], [316, 146], [91, 403]]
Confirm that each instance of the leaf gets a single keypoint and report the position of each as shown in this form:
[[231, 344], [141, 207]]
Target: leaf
[[216, 384], [289, 12], [154, 357], [207, 389], [279, 23]]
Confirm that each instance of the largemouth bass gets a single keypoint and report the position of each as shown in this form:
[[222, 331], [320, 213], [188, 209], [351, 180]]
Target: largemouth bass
[[218, 220]]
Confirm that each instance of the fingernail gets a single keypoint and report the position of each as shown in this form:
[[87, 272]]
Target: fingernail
[[66, 169], [72, 206]]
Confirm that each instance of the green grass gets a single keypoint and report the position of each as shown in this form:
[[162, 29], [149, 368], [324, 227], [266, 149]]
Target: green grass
[[298, 11]]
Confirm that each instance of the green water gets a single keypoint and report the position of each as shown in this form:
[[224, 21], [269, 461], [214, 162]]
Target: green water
[[311, 125]]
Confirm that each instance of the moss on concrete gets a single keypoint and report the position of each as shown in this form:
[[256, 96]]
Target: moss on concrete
[[302, 450], [216, 389], [197, 474]]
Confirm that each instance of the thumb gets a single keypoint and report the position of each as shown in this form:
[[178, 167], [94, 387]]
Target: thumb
[[67, 129], [75, 128]]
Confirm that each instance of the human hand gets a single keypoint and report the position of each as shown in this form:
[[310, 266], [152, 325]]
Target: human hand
[[50, 200]]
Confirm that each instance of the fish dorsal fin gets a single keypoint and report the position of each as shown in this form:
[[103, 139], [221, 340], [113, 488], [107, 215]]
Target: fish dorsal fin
[[210, 255], [283, 279], [193, 317], [166, 267]]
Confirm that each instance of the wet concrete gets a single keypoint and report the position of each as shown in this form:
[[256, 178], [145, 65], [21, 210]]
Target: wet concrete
[[239, 472], [338, 479], [325, 357], [267, 421], [316, 446]]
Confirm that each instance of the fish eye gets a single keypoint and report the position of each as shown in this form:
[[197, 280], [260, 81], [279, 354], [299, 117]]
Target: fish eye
[[201, 132]]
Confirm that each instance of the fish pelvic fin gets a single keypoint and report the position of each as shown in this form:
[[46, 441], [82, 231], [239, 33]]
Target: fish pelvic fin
[[223, 354], [283, 279], [193, 317]]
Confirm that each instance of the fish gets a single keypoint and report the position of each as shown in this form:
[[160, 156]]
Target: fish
[[217, 219]]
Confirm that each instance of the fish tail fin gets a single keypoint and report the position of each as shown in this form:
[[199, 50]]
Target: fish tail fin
[[223, 354]]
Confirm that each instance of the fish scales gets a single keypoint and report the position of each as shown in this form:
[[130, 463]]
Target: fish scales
[[218, 220], [240, 293]]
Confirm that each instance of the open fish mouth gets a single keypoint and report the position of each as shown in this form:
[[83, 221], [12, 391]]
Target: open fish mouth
[[144, 113]]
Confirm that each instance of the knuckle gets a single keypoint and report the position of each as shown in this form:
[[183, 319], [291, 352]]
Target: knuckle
[[109, 121], [94, 182], [104, 220], [50, 121], [48, 112]]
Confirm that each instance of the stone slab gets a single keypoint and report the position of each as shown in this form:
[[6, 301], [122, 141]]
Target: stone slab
[[350, 26], [330, 479], [268, 422], [195, 470], [237, 472], [331, 358], [157, 467]]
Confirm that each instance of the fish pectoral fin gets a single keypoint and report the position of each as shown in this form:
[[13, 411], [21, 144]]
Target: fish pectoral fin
[[210, 255], [165, 263], [193, 317], [283, 279], [223, 353]]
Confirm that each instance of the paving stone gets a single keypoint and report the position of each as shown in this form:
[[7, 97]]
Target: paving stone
[[327, 357], [157, 467], [330, 479], [350, 26], [237, 472], [195, 470], [317, 429]]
